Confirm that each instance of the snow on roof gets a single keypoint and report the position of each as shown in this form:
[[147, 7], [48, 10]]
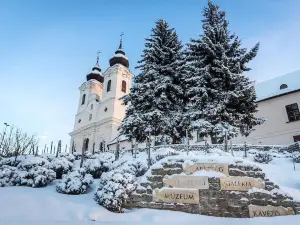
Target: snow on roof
[[271, 88], [120, 55], [96, 72], [121, 138]]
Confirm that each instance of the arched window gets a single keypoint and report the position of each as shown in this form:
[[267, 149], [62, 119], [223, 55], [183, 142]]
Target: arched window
[[90, 117], [92, 106], [123, 86], [108, 86], [101, 146], [83, 99], [85, 144], [283, 86]]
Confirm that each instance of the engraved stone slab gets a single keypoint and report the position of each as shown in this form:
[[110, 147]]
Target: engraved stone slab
[[268, 211], [176, 195], [241, 183], [217, 167], [184, 181]]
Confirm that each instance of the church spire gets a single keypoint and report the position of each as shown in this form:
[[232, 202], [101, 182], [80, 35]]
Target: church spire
[[120, 57], [96, 71]]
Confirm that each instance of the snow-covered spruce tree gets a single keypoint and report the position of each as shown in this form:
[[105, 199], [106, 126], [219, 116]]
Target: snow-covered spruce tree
[[156, 98], [221, 97]]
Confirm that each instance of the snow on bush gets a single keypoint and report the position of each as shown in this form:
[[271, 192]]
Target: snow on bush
[[32, 161], [101, 163], [252, 151], [263, 158], [60, 166], [114, 189], [296, 157], [12, 161], [116, 185], [35, 177], [68, 156], [9, 176], [75, 182]]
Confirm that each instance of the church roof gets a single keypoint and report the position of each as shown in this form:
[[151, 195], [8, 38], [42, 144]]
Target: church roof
[[119, 57], [96, 73], [278, 86]]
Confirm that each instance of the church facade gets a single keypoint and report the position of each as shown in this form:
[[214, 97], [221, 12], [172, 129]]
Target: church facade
[[100, 110]]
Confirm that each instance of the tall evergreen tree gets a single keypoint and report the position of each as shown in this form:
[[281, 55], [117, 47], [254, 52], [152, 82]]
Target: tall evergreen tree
[[221, 97], [155, 101]]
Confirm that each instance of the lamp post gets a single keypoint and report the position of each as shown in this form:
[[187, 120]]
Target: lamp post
[[6, 125]]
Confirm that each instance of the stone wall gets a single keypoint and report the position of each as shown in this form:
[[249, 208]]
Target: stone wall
[[212, 201]]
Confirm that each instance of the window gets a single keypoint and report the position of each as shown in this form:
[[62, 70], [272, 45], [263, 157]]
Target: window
[[296, 138], [105, 109], [83, 99], [90, 117], [292, 112], [123, 86], [85, 144], [283, 86], [92, 106], [79, 120], [101, 146], [108, 86], [199, 137]]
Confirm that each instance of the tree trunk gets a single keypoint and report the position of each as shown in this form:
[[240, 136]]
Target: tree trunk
[[213, 139]]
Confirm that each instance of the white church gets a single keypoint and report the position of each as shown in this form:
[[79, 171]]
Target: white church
[[100, 110]]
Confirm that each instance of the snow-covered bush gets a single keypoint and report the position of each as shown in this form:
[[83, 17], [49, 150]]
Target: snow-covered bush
[[37, 177], [263, 158], [116, 185], [60, 166], [75, 182], [101, 163], [12, 161], [32, 161], [9, 176], [296, 157], [252, 151], [114, 189], [68, 156]]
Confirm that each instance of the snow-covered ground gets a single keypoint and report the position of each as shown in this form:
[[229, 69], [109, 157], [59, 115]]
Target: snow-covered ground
[[39, 206]]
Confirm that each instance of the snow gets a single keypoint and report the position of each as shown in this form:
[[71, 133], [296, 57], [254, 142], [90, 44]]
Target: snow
[[120, 55], [38, 206], [271, 88], [208, 173]]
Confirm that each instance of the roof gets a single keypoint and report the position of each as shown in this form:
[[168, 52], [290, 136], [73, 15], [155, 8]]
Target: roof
[[271, 88]]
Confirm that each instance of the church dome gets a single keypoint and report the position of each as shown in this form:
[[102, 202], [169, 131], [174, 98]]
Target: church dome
[[96, 73], [119, 57]]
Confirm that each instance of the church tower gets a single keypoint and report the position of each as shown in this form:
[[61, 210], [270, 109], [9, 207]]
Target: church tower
[[100, 110]]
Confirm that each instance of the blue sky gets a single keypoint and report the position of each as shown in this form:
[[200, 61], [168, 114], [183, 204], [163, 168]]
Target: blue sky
[[48, 47]]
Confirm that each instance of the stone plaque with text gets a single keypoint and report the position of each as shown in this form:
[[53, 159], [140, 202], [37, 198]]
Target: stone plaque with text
[[241, 183], [217, 167], [185, 181], [176, 195], [268, 211]]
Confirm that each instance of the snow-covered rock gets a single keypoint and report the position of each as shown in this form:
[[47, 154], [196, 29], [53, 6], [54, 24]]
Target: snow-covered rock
[[75, 182]]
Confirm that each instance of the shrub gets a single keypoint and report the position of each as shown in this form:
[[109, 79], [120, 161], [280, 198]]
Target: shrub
[[9, 176], [263, 158], [114, 189], [296, 157], [70, 157], [12, 161], [37, 177], [60, 166], [75, 183], [32, 161], [101, 163]]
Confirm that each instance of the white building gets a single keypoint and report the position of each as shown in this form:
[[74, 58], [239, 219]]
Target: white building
[[278, 102], [100, 110]]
